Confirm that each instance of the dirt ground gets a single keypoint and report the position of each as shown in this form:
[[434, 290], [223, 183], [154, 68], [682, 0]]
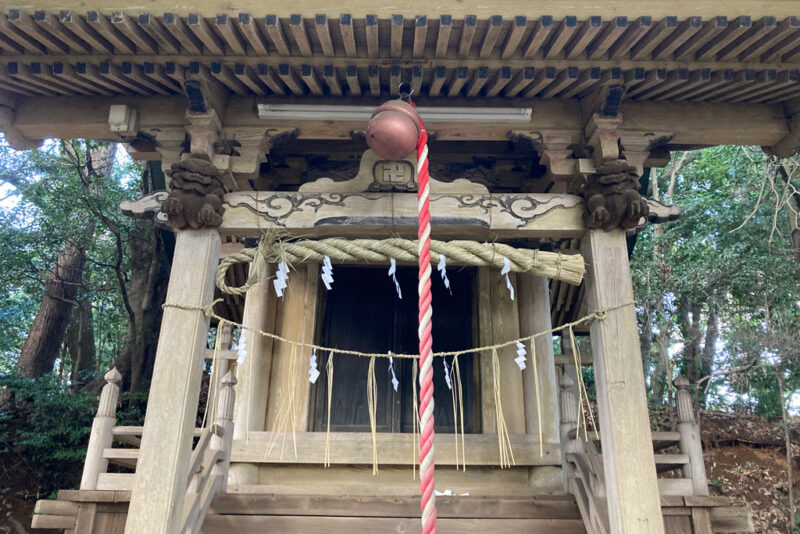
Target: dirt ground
[[745, 460]]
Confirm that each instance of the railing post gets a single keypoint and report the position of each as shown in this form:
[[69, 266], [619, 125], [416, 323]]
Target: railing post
[[224, 419], [102, 431], [215, 379], [690, 443]]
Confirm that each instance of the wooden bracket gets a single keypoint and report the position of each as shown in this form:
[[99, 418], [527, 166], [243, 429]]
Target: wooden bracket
[[789, 145], [171, 143], [603, 134], [555, 151], [204, 130], [16, 140], [250, 149]]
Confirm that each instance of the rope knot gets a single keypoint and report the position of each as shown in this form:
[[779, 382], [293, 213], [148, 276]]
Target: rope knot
[[600, 315]]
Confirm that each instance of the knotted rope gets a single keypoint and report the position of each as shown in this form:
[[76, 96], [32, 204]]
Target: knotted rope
[[568, 268], [426, 449]]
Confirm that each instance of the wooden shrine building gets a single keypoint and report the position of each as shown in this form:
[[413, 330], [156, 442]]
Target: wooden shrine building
[[543, 118]]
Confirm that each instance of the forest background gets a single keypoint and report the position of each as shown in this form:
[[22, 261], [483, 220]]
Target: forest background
[[81, 288]]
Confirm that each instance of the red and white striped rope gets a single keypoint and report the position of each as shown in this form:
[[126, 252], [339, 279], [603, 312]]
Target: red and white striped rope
[[426, 449]]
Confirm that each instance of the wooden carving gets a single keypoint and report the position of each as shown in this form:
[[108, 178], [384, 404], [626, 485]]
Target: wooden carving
[[381, 175], [195, 198], [612, 197]]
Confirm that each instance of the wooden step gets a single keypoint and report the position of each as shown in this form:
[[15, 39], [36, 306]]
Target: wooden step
[[245, 513], [251, 524], [540, 507], [670, 462], [663, 440], [123, 457]]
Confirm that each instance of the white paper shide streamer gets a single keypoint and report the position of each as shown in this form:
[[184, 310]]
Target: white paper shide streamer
[[327, 272], [313, 371], [241, 349], [395, 381], [504, 272], [393, 274], [447, 374], [280, 278], [521, 352], [442, 268]]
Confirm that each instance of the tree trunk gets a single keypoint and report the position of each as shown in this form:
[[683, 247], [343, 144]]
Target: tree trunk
[[44, 340], [689, 314], [80, 343], [146, 291], [659, 379], [709, 350], [646, 341]]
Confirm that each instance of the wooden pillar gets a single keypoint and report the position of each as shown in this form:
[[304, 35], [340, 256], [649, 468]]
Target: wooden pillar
[[629, 467], [499, 321], [534, 316], [289, 386], [159, 488], [252, 389]]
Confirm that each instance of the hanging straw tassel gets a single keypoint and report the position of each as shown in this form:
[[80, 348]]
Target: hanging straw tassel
[[453, 395], [286, 413], [503, 439], [213, 379], [461, 409], [372, 397], [538, 402], [457, 397], [582, 394], [329, 368]]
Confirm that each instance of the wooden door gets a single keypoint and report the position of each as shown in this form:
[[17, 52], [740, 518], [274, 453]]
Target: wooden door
[[363, 312]]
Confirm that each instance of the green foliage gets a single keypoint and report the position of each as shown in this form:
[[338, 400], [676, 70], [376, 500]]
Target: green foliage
[[729, 247], [46, 204], [49, 425]]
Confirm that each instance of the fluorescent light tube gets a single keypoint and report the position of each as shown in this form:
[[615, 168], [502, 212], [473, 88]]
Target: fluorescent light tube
[[301, 112]]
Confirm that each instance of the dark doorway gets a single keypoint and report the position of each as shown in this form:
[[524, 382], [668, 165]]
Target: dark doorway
[[363, 312]]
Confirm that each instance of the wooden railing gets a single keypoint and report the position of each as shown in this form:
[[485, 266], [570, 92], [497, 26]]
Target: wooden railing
[[582, 464], [583, 474], [208, 468]]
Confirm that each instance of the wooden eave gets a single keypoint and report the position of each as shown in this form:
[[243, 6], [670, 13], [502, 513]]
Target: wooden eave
[[716, 52]]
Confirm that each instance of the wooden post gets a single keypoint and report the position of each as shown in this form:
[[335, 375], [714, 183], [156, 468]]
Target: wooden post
[[534, 316], [295, 317], [102, 427], [252, 388], [629, 465], [159, 487], [690, 443], [569, 420], [499, 321], [224, 419], [215, 380]]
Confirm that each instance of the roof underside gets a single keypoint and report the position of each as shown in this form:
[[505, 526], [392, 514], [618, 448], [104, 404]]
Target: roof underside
[[669, 58]]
